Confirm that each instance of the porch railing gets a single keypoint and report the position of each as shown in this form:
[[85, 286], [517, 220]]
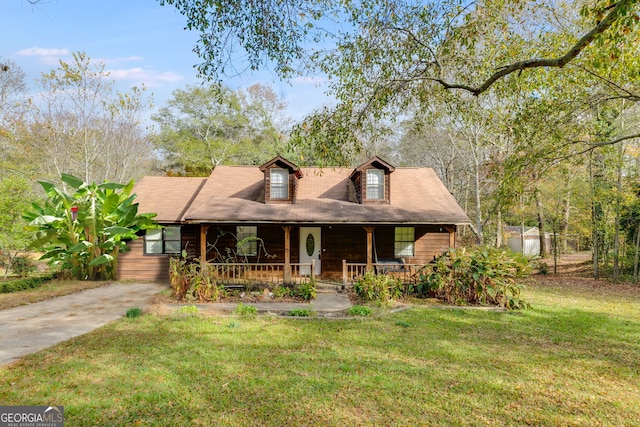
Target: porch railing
[[408, 273], [243, 274]]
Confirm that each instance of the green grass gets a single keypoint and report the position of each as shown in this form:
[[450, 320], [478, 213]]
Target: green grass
[[571, 360]]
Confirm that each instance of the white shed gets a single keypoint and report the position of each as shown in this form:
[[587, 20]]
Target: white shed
[[514, 238]]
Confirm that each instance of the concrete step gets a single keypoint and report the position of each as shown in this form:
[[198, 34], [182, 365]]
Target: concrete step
[[327, 288]]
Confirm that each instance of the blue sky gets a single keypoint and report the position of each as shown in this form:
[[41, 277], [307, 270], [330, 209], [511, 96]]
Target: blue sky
[[138, 40]]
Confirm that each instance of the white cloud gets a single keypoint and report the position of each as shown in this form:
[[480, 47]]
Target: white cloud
[[40, 51], [149, 78]]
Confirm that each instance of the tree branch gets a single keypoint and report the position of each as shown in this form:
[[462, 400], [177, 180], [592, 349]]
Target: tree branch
[[559, 62]]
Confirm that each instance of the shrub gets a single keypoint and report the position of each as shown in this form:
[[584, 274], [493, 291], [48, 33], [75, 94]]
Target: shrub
[[483, 275], [359, 310], [542, 267], [245, 310], [306, 290], [192, 283], [281, 291], [23, 284], [378, 287], [134, 312], [299, 312], [23, 265]]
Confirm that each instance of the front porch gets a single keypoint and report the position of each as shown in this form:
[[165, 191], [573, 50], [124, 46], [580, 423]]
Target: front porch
[[292, 254]]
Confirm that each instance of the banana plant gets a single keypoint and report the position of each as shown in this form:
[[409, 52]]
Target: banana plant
[[82, 232]]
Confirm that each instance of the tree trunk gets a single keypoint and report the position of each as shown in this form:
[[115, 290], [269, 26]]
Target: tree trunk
[[541, 223], [616, 239], [555, 251], [499, 229], [635, 257], [479, 231], [564, 224]]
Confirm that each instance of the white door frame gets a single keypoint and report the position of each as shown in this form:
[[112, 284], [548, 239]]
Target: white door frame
[[310, 238]]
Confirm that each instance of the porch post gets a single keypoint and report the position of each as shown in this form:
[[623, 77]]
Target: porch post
[[369, 231], [203, 244], [344, 274], [452, 235], [287, 253]]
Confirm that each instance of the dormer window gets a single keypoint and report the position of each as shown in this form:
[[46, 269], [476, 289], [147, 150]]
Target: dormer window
[[279, 183], [280, 180], [375, 184], [371, 181]]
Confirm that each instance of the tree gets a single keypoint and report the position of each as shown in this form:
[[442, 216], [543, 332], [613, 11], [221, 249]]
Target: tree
[[279, 33], [12, 87], [202, 127], [15, 193], [83, 232], [385, 56], [84, 129], [12, 90]]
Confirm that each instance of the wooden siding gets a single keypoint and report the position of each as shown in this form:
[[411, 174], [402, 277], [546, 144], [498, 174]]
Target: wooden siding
[[339, 243], [190, 235], [429, 242], [134, 265]]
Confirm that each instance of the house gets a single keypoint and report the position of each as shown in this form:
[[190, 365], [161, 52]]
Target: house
[[295, 222]]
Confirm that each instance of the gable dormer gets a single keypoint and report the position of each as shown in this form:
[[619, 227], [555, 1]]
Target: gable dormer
[[280, 180], [372, 181]]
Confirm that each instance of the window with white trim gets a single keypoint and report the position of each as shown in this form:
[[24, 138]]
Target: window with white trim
[[375, 184], [404, 242], [247, 237], [279, 183], [162, 241]]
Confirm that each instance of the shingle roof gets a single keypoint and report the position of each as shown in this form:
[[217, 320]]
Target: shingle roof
[[168, 197], [236, 194]]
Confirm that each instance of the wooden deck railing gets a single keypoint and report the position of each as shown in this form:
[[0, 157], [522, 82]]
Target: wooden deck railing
[[408, 273], [236, 274]]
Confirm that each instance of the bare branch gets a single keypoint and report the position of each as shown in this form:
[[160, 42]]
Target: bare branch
[[629, 95], [559, 62]]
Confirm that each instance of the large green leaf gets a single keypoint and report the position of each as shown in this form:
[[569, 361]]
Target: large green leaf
[[110, 186], [45, 219], [80, 247], [102, 259], [71, 180], [111, 203], [116, 230]]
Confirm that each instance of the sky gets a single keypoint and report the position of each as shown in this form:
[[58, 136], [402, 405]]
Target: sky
[[139, 41]]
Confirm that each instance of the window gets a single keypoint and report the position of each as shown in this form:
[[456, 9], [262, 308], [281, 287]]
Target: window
[[279, 184], [162, 241], [404, 242], [247, 240], [375, 184]]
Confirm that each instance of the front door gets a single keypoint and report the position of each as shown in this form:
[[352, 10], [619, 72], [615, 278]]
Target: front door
[[310, 249]]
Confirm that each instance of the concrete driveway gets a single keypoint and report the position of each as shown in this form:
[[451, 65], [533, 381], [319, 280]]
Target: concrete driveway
[[30, 328]]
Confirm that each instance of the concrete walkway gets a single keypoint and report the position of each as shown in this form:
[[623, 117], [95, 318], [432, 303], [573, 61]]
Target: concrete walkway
[[30, 328]]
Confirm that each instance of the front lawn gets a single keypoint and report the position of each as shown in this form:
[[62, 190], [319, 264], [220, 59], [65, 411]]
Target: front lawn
[[571, 360]]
